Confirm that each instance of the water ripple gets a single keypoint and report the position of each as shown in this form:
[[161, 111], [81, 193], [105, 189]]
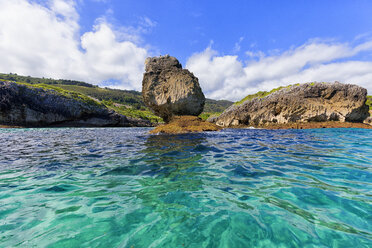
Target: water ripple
[[119, 187]]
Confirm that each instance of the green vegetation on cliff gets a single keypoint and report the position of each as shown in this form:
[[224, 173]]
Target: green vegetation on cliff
[[126, 102], [369, 102], [262, 94], [119, 108], [70, 94], [126, 97], [34, 80]]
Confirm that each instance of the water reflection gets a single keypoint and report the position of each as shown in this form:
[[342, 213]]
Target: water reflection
[[171, 167], [164, 156], [174, 153]]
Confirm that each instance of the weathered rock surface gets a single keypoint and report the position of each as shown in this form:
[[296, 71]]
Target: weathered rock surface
[[310, 102], [368, 120], [21, 105], [169, 90]]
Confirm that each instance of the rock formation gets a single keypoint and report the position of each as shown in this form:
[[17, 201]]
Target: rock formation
[[368, 120], [310, 102], [21, 105], [169, 90], [185, 124]]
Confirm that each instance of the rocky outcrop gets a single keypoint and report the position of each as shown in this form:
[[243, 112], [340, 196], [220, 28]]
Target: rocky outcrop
[[310, 102], [185, 124], [168, 90], [21, 105], [368, 120]]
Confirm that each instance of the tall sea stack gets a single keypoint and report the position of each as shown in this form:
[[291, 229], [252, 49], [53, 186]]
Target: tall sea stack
[[169, 90], [175, 95]]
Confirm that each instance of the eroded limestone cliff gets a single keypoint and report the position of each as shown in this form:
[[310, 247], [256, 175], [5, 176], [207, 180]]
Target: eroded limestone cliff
[[310, 102], [22, 105]]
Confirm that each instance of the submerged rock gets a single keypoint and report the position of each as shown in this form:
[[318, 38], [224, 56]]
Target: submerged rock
[[22, 105], [310, 102], [168, 90], [185, 124]]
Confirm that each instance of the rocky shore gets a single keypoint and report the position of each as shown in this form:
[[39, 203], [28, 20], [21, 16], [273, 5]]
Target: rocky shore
[[310, 105], [174, 94], [28, 106], [311, 125], [185, 124]]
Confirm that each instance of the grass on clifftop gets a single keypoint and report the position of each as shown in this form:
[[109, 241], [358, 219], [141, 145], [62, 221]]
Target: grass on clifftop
[[119, 108], [262, 94], [70, 94], [35, 80], [126, 97]]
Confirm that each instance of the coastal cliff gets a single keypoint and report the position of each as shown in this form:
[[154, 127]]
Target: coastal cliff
[[304, 103], [27, 105]]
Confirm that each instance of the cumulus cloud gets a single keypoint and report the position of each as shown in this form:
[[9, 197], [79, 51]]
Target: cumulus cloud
[[44, 40], [227, 77]]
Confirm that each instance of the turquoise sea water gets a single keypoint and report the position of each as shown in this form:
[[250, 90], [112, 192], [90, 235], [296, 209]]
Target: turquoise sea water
[[119, 187]]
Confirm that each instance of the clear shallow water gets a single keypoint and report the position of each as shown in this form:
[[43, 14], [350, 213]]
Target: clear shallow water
[[119, 187]]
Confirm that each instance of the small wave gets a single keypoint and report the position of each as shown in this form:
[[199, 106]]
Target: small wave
[[236, 188]]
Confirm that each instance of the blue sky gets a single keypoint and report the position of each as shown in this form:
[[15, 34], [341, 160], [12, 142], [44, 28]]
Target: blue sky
[[234, 47], [186, 27]]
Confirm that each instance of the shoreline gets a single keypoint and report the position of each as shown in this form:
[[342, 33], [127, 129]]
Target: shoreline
[[7, 126], [305, 125], [312, 125]]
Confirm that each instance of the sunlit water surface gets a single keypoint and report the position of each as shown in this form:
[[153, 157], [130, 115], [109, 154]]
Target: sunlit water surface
[[119, 187]]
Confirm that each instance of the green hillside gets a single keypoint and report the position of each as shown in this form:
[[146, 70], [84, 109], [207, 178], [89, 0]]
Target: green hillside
[[126, 102], [216, 105], [35, 80], [369, 102], [126, 97]]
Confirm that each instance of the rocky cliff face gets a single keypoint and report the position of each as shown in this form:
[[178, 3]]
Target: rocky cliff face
[[169, 90], [310, 102], [21, 105]]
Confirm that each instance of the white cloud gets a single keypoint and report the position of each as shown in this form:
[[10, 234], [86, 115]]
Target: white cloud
[[44, 40], [66, 9], [227, 77], [109, 59], [237, 45]]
